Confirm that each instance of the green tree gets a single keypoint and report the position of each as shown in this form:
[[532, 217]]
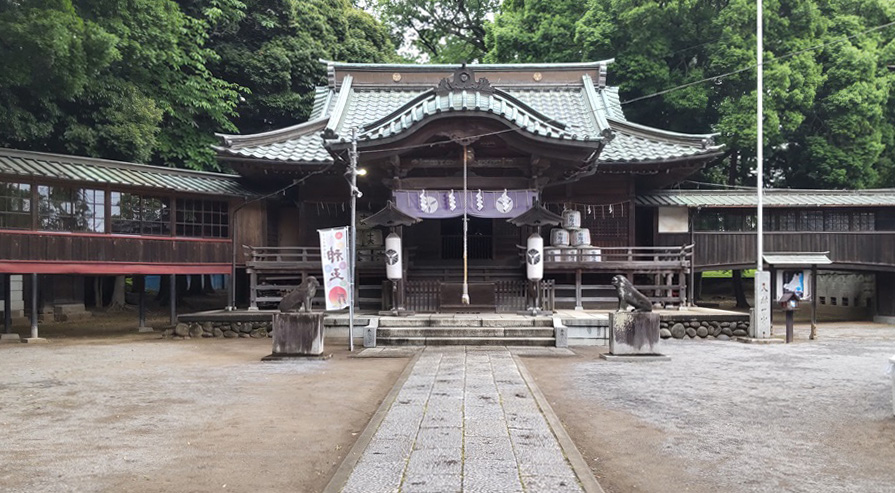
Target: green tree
[[535, 31], [827, 111], [274, 50], [438, 31], [48, 54], [121, 79]]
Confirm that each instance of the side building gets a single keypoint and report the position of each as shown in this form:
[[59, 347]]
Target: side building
[[65, 217]]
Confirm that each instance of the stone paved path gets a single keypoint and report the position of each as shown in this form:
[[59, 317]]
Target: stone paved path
[[464, 421]]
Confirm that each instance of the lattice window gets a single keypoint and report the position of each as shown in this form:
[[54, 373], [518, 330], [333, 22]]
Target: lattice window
[[15, 205], [137, 214], [203, 218], [71, 209]]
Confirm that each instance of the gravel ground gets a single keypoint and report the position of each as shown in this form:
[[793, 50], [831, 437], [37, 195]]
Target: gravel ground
[[810, 416], [162, 415]]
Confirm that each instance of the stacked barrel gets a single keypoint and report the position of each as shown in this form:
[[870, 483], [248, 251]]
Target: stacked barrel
[[571, 242]]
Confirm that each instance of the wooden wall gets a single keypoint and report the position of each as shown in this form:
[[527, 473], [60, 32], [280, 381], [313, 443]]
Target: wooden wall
[[868, 250], [251, 226], [62, 248]]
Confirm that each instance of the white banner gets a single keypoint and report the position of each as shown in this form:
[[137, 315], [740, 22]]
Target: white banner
[[334, 258]]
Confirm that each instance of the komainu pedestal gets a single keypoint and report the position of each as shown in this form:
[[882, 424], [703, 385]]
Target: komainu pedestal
[[297, 334], [634, 333]]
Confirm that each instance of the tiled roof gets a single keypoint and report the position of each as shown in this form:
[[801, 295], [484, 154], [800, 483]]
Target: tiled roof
[[299, 144], [365, 106], [772, 198], [508, 108], [572, 112], [28, 164]]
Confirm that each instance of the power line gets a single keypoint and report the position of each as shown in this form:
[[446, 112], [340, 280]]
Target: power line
[[750, 67], [666, 91]]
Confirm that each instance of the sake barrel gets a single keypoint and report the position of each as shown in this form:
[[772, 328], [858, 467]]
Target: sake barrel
[[559, 237], [570, 254], [580, 237], [590, 254], [571, 219]]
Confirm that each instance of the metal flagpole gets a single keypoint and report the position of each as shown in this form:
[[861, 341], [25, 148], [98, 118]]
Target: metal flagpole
[[353, 235], [465, 298], [761, 322]]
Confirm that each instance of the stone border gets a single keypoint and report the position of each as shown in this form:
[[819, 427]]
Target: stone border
[[337, 482], [700, 327], [585, 476]]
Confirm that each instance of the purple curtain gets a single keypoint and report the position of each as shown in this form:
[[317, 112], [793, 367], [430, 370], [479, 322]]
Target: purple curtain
[[443, 204]]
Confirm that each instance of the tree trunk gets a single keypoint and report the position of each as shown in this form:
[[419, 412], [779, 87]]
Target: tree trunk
[[732, 170], [208, 285], [118, 302], [195, 285], [738, 289], [98, 292], [164, 288]]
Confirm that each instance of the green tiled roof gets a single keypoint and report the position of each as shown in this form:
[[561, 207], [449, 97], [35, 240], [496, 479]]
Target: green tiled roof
[[299, 144], [15, 164], [580, 112], [772, 198], [498, 103]]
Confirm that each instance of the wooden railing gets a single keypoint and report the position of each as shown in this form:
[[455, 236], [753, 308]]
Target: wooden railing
[[304, 258], [423, 295], [619, 259]]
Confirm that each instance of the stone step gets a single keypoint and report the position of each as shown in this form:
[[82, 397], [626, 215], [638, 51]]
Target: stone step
[[466, 341], [464, 332], [464, 322]]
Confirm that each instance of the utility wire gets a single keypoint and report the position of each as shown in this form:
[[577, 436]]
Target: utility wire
[[640, 98], [775, 59]]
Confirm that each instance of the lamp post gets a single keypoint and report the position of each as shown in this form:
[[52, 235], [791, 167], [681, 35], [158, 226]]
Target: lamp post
[[355, 193]]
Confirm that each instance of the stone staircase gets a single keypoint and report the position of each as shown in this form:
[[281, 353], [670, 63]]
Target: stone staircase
[[465, 331]]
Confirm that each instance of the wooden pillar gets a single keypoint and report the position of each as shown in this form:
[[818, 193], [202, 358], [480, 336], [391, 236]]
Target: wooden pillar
[[813, 334], [253, 289], [7, 303], [140, 284], [172, 283], [578, 303], [35, 337]]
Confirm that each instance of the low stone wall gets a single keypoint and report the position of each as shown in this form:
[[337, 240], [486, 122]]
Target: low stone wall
[[229, 330], [696, 328]]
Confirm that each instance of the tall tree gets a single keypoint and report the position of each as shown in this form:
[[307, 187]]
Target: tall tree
[[275, 48], [438, 31], [535, 31], [825, 109]]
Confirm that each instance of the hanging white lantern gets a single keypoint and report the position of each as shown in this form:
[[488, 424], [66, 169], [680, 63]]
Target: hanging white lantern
[[393, 261], [534, 257]]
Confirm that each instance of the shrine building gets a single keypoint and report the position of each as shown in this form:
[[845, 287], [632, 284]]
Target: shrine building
[[520, 150]]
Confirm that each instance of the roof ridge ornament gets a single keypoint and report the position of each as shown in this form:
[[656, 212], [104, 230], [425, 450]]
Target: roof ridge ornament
[[463, 79]]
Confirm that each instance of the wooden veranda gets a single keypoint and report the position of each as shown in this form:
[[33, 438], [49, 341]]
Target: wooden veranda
[[579, 279]]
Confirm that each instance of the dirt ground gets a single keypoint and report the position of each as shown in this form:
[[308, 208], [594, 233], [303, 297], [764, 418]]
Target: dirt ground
[[132, 412], [724, 416]]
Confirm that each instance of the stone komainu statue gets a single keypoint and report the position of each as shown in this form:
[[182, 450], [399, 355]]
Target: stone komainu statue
[[628, 295], [300, 296]]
